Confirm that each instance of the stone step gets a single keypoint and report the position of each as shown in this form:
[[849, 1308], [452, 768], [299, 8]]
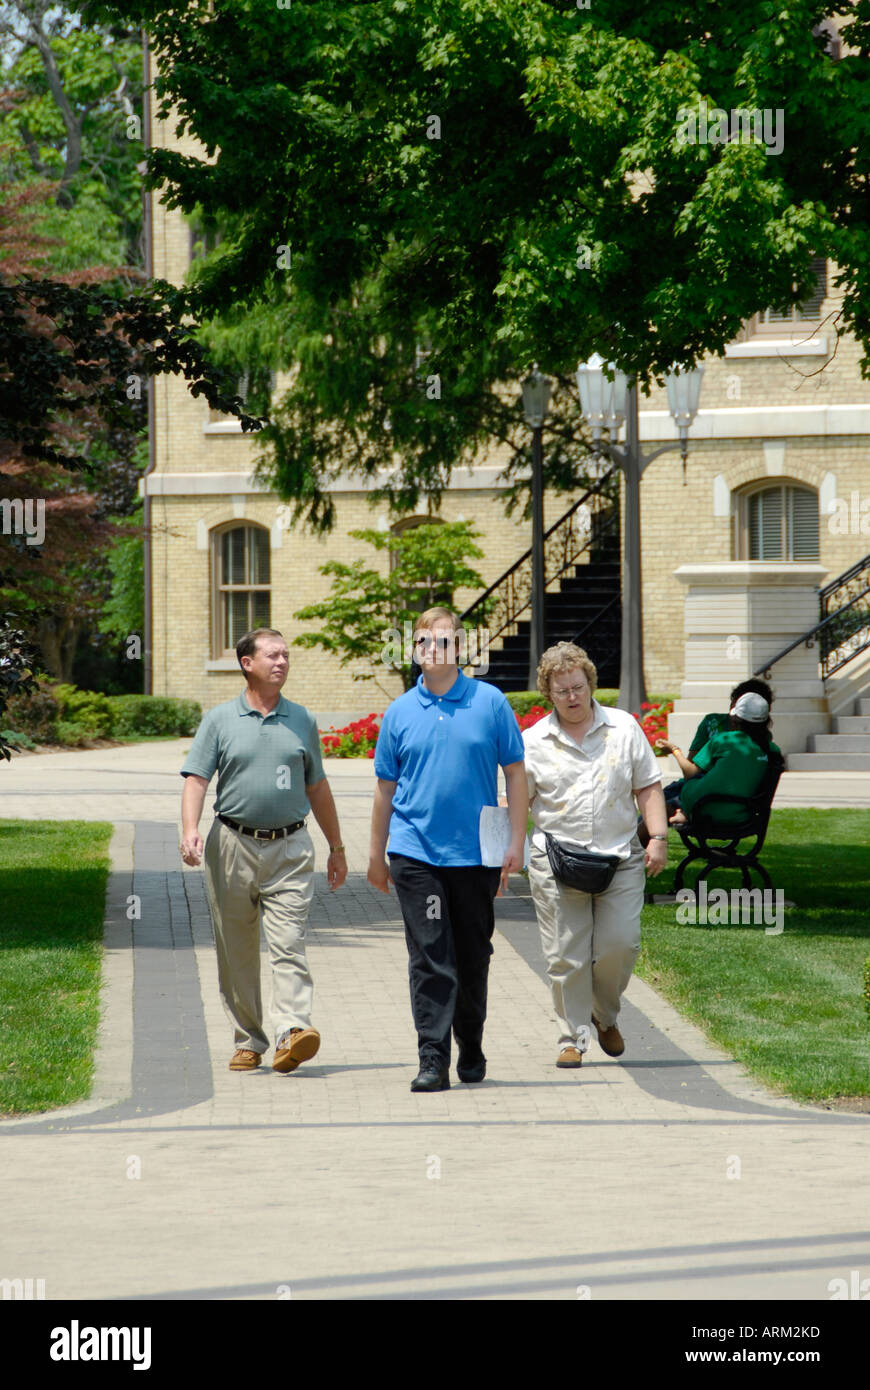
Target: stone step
[[838, 743], [827, 762], [851, 724], [862, 706]]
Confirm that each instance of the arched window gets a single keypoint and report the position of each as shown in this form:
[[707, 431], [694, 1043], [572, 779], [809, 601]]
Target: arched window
[[777, 521], [242, 594]]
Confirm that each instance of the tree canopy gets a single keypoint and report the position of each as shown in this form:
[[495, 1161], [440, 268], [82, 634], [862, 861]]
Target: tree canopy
[[80, 332], [418, 201]]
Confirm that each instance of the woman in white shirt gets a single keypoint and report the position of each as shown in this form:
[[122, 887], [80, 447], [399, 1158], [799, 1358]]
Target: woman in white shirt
[[586, 767]]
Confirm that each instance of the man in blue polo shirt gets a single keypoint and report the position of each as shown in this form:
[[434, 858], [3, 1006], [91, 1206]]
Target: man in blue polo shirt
[[436, 761], [259, 857]]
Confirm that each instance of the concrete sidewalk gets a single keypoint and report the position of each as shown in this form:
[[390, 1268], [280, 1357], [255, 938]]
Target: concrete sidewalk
[[141, 781], [669, 1174]]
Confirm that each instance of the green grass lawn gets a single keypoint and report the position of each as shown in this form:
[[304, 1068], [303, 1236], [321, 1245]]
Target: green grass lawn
[[51, 925], [789, 1007]]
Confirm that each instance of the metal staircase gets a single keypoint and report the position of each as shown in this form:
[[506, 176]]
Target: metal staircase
[[581, 556], [842, 634]]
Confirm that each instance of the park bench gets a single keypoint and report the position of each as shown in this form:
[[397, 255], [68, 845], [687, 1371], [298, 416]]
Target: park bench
[[700, 831]]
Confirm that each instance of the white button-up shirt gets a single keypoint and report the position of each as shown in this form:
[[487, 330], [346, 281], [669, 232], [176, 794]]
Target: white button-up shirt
[[583, 792]]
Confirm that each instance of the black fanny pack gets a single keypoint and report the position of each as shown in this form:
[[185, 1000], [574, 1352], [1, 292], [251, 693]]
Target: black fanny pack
[[579, 868]]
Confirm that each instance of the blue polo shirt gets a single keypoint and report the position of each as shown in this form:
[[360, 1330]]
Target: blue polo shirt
[[443, 752], [264, 762]]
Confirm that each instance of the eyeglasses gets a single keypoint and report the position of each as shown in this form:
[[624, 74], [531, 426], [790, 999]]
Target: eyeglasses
[[442, 643], [563, 694]]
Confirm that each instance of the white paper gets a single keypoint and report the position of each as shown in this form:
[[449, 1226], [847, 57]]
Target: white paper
[[495, 837]]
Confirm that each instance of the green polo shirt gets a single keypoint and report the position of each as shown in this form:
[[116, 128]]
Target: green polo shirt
[[264, 762], [711, 724], [731, 762]]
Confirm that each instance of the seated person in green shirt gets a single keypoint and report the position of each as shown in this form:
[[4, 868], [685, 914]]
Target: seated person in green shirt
[[711, 724], [735, 761]]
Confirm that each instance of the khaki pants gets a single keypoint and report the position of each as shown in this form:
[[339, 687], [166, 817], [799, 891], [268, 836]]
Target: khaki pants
[[590, 943], [246, 879]]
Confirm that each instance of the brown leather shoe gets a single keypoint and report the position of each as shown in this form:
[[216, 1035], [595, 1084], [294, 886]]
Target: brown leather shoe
[[243, 1059], [610, 1039], [299, 1045], [569, 1057]]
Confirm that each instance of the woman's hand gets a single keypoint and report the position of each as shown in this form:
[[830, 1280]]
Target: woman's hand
[[512, 862], [664, 745], [656, 857]]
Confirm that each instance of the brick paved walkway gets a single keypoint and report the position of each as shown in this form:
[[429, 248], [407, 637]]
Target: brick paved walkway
[[668, 1174]]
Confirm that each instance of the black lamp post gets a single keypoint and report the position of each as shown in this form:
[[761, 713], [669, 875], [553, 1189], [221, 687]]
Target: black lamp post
[[536, 399], [606, 405]]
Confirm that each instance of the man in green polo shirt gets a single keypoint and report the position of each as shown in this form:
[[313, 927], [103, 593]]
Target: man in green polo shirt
[[735, 761], [259, 857]]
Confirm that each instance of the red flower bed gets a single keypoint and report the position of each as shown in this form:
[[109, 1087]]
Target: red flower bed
[[655, 721], [526, 721], [357, 740]]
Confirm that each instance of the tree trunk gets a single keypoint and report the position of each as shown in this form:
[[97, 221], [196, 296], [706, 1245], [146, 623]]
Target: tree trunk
[[59, 637]]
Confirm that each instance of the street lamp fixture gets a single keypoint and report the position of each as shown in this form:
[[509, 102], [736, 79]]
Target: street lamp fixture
[[536, 400], [607, 401]]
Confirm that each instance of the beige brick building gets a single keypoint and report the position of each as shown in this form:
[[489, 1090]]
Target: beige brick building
[[779, 453]]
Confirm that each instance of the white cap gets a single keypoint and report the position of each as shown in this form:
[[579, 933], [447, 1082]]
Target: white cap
[[752, 707]]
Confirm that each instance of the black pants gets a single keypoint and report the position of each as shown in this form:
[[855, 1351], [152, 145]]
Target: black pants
[[449, 921]]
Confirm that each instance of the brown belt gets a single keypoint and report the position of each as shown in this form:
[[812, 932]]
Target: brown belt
[[263, 834]]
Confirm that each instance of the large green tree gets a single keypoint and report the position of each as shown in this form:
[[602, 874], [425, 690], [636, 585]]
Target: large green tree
[[497, 182], [71, 114]]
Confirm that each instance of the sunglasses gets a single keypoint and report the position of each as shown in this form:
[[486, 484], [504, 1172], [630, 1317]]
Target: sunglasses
[[442, 643]]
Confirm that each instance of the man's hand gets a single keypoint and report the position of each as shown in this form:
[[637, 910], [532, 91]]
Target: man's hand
[[512, 863], [379, 875], [336, 869], [192, 802], [656, 857], [191, 848]]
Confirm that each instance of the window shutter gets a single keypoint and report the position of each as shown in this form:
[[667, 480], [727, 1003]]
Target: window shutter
[[811, 308], [783, 524], [803, 525], [765, 525]]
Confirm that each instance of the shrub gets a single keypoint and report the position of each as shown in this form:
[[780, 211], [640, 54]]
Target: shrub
[[74, 735], [34, 714], [14, 740], [87, 710], [152, 716], [522, 701], [67, 715]]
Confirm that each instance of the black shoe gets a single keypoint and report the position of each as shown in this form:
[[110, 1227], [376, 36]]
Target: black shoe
[[470, 1071], [431, 1078]]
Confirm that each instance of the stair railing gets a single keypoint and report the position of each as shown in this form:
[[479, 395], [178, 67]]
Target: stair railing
[[582, 527], [843, 631]]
